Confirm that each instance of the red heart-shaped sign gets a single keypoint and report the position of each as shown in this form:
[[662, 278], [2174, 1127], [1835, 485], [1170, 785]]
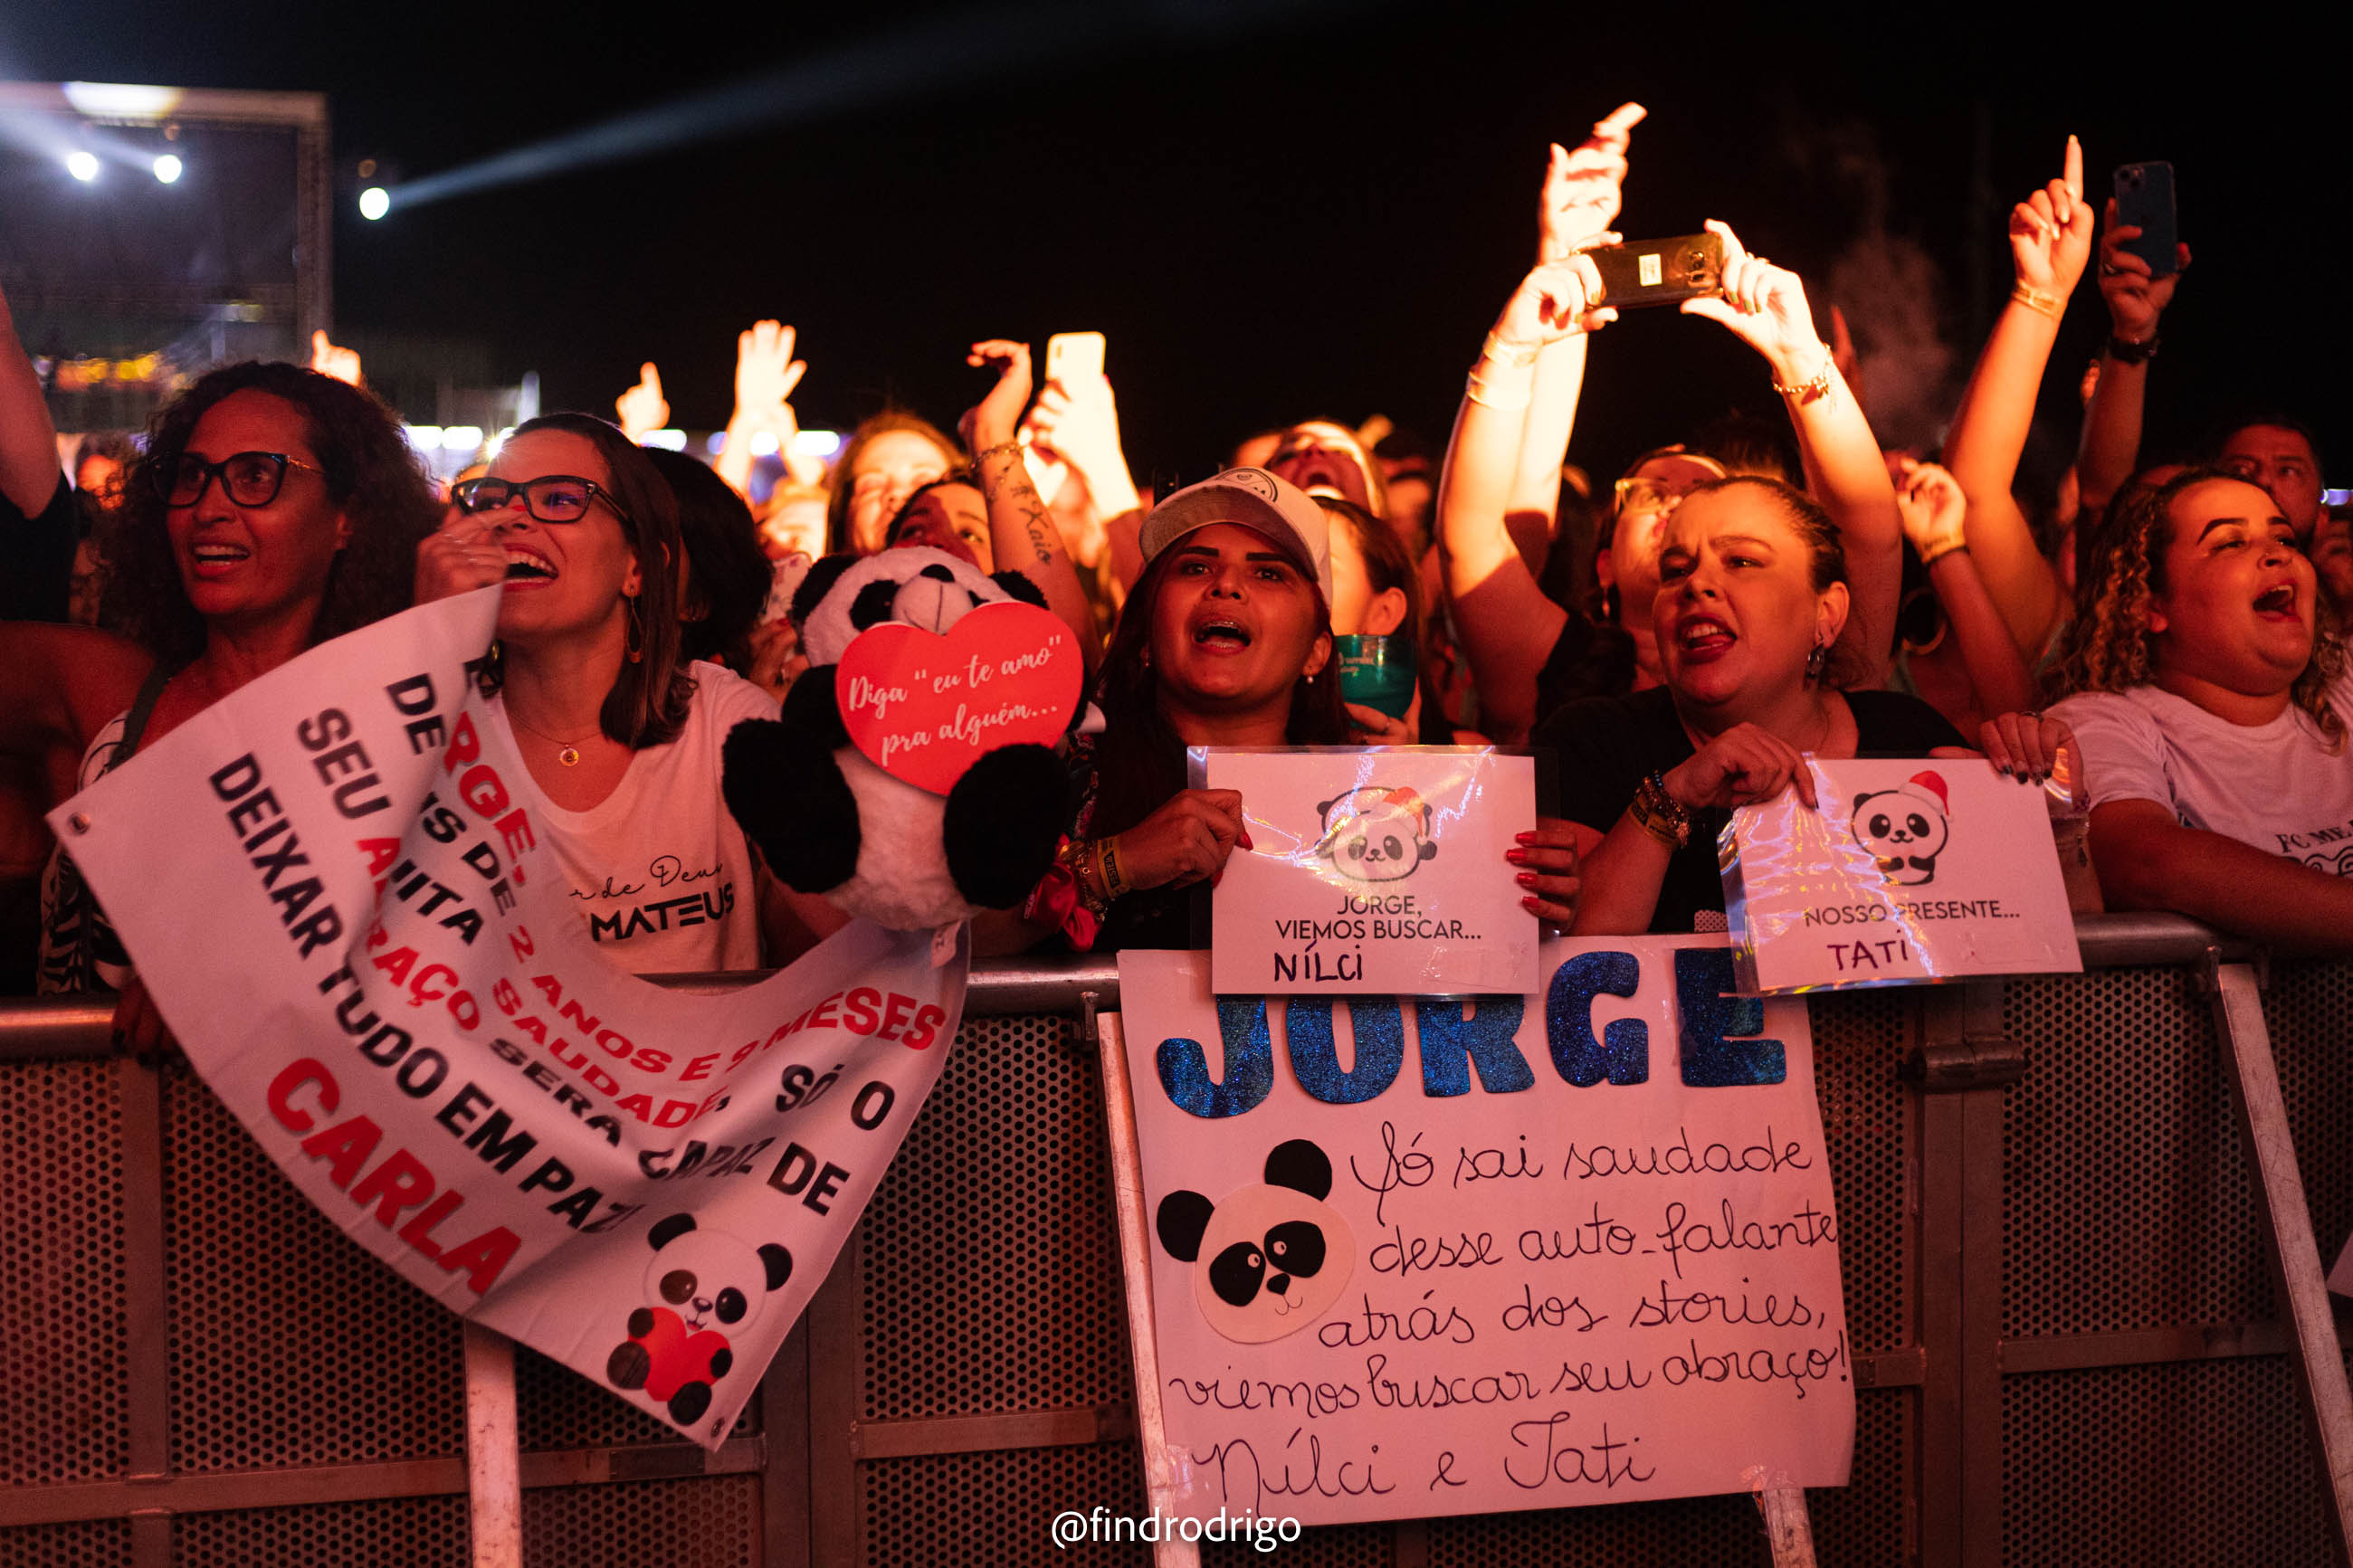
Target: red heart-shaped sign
[[922, 707]]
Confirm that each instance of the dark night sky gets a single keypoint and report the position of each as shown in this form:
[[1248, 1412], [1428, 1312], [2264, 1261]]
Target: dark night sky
[[1313, 218]]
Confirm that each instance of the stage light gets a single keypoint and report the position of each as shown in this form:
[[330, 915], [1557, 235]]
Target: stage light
[[167, 168], [715, 443], [816, 442], [763, 443], [668, 440], [375, 203], [424, 438], [83, 166], [461, 438]]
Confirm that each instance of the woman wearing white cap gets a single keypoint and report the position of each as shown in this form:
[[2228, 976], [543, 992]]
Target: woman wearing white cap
[[1225, 641]]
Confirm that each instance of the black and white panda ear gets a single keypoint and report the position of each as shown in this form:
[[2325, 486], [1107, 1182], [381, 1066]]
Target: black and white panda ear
[[816, 585], [1016, 586], [1429, 849], [1182, 1220], [778, 1262], [1301, 1166], [1324, 809], [669, 1230], [1858, 803]]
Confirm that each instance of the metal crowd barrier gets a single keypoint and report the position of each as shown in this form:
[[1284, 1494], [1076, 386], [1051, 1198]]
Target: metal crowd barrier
[[2069, 1345]]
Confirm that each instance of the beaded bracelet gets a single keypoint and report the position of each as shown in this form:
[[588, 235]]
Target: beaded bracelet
[[2034, 299]]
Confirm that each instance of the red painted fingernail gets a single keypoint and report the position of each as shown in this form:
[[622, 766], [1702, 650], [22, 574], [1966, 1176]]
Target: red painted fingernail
[[1534, 906], [1516, 857], [1524, 838], [1526, 879], [1244, 843]]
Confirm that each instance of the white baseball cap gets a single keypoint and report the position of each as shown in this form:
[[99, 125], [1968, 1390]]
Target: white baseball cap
[[1251, 499]]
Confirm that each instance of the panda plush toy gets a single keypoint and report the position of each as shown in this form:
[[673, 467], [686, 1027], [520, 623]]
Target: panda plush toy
[[830, 822]]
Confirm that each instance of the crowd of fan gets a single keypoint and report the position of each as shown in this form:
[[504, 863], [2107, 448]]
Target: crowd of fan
[[2155, 644]]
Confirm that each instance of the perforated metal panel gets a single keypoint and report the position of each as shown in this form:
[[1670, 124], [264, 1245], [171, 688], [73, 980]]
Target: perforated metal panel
[[1692, 1532], [290, 1345], [63, 1400], [1859, 1041], [991, 1257], [2192, 1465], [710, 1522], [994, 1508], [556, 1408], [2309, 1007], [87, 1544], [2128, 1200], [391, 1532]]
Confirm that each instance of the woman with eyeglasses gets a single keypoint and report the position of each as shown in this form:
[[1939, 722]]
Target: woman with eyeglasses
[[620, 734], [275, 508]]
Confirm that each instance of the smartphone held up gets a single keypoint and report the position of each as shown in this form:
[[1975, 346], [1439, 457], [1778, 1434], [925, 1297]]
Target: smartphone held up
[[1659, 271]]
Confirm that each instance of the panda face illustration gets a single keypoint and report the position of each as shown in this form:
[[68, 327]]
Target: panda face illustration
[[1376, 833], [1905, 828], [1269, 1259], [712, 1280]]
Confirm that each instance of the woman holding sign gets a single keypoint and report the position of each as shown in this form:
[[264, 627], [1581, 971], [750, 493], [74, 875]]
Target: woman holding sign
[[276, 508], [1752, 624], [1227, 641], [618, 734]]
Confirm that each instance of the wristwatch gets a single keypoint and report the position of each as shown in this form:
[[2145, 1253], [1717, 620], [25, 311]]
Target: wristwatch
[[2126, 352]]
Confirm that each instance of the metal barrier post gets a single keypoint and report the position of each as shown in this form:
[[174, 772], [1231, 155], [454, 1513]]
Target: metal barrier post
[[493, 1458], [2298, 1278]]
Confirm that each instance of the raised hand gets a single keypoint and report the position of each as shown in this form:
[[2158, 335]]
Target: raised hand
[[996, 417], [765, 374], [642, 408], [2051, 231], [1932, 506], [1553, 302], [328, 359], [1582, 189], [1078, 421], [2135, 297], [1765, 307]]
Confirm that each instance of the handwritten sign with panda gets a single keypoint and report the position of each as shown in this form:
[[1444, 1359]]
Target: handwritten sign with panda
[[335, 893], [1911, 871], [1415, 1257], [1375, 871]]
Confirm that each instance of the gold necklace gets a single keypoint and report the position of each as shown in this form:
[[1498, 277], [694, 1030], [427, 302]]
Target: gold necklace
[[570, 756]]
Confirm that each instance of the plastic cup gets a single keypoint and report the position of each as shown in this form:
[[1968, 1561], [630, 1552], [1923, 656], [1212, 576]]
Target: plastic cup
[[1377, 672]]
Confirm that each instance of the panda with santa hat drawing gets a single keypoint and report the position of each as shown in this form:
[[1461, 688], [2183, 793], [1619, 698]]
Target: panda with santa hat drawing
[[1905, 828]]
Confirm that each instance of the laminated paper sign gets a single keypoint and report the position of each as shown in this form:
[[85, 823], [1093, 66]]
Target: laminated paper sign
[[335, 895], [1454, 1257], [1377, 871], [1910, 871]]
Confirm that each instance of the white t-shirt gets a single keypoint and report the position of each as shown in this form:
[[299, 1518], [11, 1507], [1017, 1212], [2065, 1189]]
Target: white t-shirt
[[660, 869], [2276, 786]]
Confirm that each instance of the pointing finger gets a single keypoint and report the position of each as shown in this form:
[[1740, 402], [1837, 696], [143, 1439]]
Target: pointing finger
[[2073, 168], [1613, 126]]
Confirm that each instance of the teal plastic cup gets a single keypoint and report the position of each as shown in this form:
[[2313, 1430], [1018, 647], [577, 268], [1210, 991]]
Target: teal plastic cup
[[1377, 672]]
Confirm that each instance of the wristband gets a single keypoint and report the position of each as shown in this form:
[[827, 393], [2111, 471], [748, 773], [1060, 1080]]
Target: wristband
[[2123, 350], [1487, 396], [1114, 874], [1518, 355], [2034, 299], [1659, 814], [1956, 547], [987, 452]]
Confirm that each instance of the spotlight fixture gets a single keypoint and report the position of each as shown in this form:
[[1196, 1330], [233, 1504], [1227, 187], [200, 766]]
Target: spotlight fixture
[[375, 203], [83, 166], [167, 168]]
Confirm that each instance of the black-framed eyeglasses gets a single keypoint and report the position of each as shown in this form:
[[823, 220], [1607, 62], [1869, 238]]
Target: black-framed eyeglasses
[[551, 497], [248, 478]]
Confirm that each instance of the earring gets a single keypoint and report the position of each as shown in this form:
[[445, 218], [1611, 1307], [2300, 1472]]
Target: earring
[[636, 634], [1609, 603], [1817, 661]]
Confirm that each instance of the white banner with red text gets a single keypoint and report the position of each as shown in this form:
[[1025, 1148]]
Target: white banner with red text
[[333, 889]]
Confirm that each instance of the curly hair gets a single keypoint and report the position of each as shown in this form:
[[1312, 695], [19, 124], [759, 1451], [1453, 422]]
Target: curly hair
[[2109, 646], [370, 474]]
